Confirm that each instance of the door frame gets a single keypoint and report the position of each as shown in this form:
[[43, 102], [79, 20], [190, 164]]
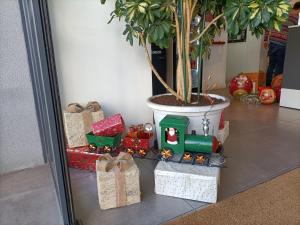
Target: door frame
[[41, 59]]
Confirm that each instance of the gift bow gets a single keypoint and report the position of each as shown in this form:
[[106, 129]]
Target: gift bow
[[77, 108], [121, 163], [117, 165]]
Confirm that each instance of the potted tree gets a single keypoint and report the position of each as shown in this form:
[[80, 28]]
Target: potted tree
[[159, 21]]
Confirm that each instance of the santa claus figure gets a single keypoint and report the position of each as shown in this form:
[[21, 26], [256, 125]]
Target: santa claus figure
[[172, 136]]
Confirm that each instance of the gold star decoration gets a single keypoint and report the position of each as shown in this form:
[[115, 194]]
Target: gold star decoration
[[200, 158], [107, 149], [142, 152], [130, 151], [166, 153], [187, 157], [92, 147]]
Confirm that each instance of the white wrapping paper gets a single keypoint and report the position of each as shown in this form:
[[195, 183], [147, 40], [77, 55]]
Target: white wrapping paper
[[77, 125], [187, 181], [111, 185]]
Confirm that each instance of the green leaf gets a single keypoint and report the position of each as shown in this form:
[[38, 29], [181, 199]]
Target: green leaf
[[160, 32], [265, 16], [254, 13], [276, 25]]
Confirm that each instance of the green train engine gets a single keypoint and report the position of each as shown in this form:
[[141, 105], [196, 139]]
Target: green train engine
[[175, 140]]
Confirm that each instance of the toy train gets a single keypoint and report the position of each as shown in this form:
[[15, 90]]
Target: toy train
[[175, 140]]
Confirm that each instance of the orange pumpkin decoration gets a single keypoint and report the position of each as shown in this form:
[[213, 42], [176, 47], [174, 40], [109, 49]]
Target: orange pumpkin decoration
[[277, 81], [267, 96]]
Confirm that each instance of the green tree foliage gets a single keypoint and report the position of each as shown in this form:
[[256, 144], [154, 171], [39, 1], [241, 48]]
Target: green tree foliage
[[159, 21], [154, 18]]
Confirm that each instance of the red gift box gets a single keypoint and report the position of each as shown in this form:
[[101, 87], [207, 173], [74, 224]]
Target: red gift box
[[110, 126], [82, 158], [136, 143], [137, 138]]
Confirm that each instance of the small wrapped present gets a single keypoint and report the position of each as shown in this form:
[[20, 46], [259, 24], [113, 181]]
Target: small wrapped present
[[138, 138], [187, 181], [82, 158], [118, 181], [135, 130], [110, 126], [223, 133], [136, 143], [78, 122]]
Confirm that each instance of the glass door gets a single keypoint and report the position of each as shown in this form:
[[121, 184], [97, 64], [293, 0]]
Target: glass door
[[43, 75]]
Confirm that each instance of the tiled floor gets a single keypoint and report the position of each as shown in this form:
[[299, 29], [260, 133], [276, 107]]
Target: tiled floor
[[263, 143], [28, 197]]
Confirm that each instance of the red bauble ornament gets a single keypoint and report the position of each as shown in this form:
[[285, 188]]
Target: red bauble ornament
[[240, 85], [267, 95]]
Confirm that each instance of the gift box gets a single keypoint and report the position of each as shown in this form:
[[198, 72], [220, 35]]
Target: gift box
[[117, 181], [137, 138], [78, 124], [187, 181], [136, 143], [110, 126], [223, 133], [82, 158]]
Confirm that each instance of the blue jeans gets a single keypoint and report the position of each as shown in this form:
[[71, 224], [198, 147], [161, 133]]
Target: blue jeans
[[276, 55]]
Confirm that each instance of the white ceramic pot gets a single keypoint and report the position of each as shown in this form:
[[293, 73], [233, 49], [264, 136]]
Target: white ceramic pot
[[194, 113]]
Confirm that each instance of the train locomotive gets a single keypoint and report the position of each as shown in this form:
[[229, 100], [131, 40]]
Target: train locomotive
[[175, 140]]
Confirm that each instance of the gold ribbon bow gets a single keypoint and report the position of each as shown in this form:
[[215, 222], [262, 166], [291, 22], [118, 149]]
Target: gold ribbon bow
[[118, 165], [77, 108]]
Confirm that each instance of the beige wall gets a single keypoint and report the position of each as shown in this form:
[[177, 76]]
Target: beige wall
[[243, 57], [216, 64], [95, 62]]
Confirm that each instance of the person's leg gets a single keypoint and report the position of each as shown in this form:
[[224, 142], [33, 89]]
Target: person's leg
[[272, 64], [280, 56]]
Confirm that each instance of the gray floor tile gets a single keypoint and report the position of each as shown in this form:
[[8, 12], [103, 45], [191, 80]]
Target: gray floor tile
[[24, 180], [196, 204], [77, 174], [34, 207]]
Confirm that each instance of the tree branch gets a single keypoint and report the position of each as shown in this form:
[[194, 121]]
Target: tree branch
[[193, 8], [206, 28], [187, 49], [155, 71], [179, 53]]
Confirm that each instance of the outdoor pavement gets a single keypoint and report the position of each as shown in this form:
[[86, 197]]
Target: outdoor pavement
[[263, 143]]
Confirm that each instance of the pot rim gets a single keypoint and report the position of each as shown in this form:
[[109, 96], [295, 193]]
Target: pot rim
[[161, 107]]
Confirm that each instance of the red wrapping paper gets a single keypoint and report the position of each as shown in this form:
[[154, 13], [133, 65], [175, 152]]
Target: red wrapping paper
[[110, 126], [137, 138], [136, 143], [81, 158]]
